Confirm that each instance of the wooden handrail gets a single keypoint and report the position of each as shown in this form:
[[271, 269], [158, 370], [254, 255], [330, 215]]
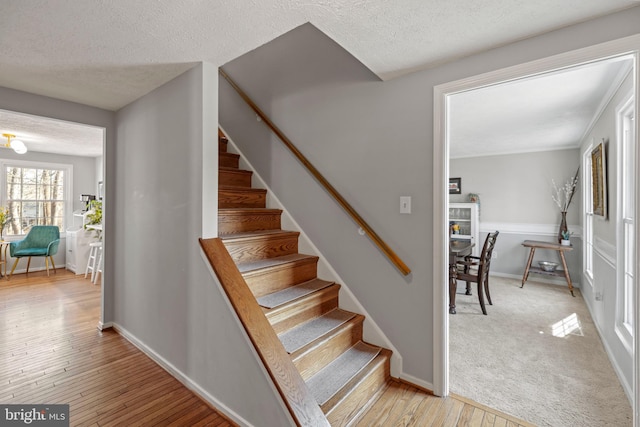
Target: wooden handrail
[[395, 259], [302, 406]]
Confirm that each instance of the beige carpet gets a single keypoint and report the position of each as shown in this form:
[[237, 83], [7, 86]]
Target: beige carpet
[[537, 356]]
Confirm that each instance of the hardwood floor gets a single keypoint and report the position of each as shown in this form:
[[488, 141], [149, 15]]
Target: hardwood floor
[[52, 352], [404, 405]]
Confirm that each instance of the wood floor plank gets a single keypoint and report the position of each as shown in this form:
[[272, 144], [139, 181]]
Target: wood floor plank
[[436, 413], [426, 402], [379, 413], [477, 417], [51, 351], [500, 422], [465, 416], [401, 407], [454, 413], [489, 420]]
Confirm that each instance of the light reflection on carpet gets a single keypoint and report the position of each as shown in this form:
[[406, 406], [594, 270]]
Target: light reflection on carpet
[[570, 325]]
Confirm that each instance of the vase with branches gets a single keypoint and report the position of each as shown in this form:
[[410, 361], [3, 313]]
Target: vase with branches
[[562, 196]]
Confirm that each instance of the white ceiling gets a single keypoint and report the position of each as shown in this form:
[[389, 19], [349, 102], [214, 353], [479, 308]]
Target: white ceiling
[[548, 112], [107, 54]]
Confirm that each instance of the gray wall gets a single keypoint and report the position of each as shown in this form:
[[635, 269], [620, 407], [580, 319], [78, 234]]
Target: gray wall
[[605, 242], [517, 188], [373, 142], [515, 198], [165, 297]]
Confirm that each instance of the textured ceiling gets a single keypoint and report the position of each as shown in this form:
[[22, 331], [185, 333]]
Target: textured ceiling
[[109, 53], [52, 136]]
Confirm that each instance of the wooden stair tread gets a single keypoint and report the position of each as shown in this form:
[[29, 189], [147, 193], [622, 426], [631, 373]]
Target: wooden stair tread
[[332, 378], [234, 170], [292, 293], [251, 235], [234, 188], [296, 338], [243, 211], [246, 267]]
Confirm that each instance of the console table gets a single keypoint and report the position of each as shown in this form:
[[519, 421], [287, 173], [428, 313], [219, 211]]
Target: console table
[[561, 249]]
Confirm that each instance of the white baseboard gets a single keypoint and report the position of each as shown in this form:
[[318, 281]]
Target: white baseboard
[[104, 326], [417, 381], [628, 389], [180, 376]]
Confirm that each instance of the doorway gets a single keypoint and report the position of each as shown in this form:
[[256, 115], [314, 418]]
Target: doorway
[[441, 175], [78, 151]]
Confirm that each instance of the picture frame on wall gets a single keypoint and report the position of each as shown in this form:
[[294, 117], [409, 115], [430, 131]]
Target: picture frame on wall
[[599, 179], [455, 185]]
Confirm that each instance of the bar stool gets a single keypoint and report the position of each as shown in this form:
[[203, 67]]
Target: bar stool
[[94, 248], [98, 265]]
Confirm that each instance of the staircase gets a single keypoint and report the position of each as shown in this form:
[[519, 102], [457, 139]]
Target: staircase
[[344, 374]]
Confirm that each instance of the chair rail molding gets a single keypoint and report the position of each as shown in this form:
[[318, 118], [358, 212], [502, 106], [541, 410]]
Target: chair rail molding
[[528, 229]]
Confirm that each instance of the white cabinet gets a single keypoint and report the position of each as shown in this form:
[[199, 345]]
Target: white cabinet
[[78, 249], [464, 220], [80, 216]]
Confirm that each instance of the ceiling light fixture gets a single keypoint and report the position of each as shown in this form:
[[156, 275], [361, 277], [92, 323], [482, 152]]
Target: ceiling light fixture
[[17, 145]]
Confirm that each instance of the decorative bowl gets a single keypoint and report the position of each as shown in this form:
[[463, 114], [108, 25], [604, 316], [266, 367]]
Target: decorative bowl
[[548, 265]]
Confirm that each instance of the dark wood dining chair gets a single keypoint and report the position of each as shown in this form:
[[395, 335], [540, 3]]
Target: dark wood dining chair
[[473, 269]]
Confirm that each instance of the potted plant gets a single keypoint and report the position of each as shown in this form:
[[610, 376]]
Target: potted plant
[[5, 218], [566, 234], [94, 215]]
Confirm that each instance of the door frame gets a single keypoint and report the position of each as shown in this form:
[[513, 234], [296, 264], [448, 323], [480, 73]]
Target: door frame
[[627, 45]]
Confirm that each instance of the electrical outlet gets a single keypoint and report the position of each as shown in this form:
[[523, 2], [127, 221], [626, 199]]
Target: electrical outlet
[[599, 296], [494, 254]]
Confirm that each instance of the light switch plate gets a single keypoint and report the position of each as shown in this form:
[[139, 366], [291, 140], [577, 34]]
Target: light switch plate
[[405, 204]]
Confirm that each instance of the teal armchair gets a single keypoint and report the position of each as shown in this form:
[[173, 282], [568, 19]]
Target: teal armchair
[[42, 240]]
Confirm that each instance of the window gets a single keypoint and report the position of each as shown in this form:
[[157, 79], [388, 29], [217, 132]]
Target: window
[[35, 194], [626, 223], [588, 216]]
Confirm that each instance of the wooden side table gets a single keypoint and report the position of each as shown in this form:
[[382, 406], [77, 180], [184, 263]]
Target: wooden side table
[[561, 249]]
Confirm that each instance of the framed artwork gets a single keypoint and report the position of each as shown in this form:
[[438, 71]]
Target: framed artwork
[[455, 185], [599, 179]]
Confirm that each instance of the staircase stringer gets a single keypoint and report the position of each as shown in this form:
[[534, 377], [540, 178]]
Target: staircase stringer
[[372, 333]]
